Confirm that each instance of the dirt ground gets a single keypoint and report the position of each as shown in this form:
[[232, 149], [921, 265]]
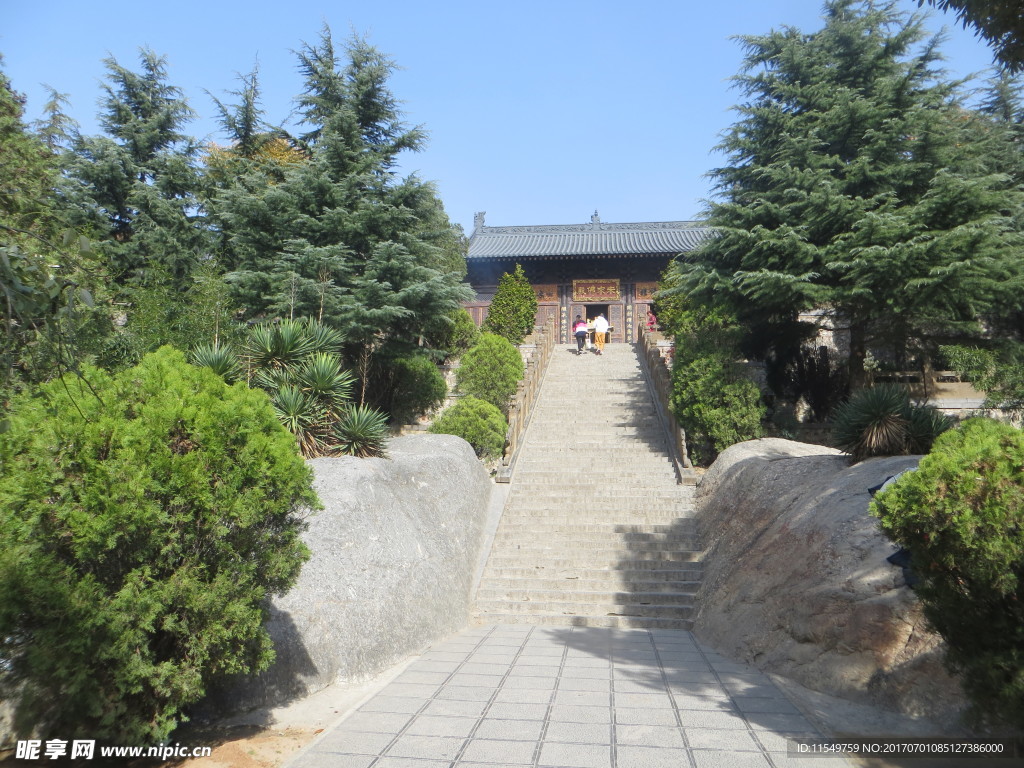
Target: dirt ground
[[245, 746]]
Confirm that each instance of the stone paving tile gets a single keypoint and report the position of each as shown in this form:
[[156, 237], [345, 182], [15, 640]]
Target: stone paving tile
[[649, 736], [518, 730], [579, 733], [569, 698], [426, 747], [499, 751], [523, 696], [718, 759], [571, 713], [387, 703], [435, 725], [717, 738], [651, 757], [643, 700], [575, 755], [377, 722]]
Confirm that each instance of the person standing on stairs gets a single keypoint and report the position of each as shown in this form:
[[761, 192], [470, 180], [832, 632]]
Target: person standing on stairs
[[600, 333], [579, 330]]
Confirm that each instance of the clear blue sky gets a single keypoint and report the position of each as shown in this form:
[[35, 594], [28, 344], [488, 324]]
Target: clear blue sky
[[538, 112]]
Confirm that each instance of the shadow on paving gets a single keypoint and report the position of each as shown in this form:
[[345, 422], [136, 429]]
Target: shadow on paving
[[664, 678]]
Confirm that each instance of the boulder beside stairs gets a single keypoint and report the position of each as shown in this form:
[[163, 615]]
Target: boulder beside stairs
[[796, 580]]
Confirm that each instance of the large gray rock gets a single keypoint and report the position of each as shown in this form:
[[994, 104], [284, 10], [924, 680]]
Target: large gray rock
[[394, 553], [796, 579]]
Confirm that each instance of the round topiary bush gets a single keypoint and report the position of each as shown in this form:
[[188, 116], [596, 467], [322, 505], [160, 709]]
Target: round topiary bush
[[417, 387], [491, 371], [477, 422], [961, 515], [145, 518]]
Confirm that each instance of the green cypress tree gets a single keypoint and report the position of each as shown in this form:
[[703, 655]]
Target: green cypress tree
[[341, 238], [513, 309], [137, 185], [855, 185]]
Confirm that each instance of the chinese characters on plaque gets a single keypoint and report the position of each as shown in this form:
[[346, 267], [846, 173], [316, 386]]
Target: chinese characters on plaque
[[595, 291]]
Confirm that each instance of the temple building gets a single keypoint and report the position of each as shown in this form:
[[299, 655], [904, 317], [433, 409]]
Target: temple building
[[580, 269]]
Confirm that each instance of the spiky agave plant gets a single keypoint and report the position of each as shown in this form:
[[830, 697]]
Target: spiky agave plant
[[303, 416], [222, 360], [362, 431], [881, 421]]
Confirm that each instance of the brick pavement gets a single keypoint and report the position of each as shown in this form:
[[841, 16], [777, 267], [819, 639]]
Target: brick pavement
[[569, 697]]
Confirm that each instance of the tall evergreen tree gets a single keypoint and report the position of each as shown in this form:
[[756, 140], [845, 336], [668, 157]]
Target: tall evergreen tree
[[137, 184], [855, 185], [341, 238]]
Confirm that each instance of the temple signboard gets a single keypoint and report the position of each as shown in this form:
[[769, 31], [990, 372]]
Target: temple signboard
[[595, 291]]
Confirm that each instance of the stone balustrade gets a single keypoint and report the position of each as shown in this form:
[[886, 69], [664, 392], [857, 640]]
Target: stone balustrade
[[536, 350]]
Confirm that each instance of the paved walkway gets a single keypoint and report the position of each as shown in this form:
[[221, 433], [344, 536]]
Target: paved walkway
[[579, 697]]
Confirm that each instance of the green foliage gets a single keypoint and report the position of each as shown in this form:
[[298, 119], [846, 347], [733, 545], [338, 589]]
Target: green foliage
[[513, 309], [361, 431], [961, 515], [858, 183], [144, 520], [220, 359], [476, 421], [713, 400], [491, 371], [881, 421], [456, 336], [338, 236], [998, 21], [135, 188], [415, 387], [997, 372]]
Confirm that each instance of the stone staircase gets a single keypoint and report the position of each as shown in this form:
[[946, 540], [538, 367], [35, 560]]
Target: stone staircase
[[596, 530]]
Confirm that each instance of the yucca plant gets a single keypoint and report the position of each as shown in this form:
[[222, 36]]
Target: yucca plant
[[882, 421], [322, 376], [362, 431], [221, 360], [303, 416]]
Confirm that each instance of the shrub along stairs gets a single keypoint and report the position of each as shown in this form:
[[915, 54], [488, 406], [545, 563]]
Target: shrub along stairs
[[596, 530]]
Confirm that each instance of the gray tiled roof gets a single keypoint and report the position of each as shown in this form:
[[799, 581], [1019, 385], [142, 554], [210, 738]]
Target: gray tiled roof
[[594, 239]]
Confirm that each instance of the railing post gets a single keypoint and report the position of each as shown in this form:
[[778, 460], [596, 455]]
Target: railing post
[[659, 378]]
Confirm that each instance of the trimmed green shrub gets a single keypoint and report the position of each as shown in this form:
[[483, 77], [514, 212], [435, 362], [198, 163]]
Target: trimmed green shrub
[[477, 422], [417, 387], [881, 421], [457, 337], [961, 515], [491, 371], [513, 309], [712, 398], [144, 520]]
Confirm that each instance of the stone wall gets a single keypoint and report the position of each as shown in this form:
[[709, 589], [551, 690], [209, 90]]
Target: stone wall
[[796, 580], [394, 553]]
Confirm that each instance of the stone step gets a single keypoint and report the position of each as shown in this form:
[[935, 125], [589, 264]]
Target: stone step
[[572, 607], [603, 597], [506, 556], [608, 585], [663, 532], [558, 620], [628, 573], [597, 534], [511, 544]]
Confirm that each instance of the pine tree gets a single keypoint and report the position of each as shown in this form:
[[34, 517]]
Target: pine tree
[[341, 238], [513, 309], [855, 184], [137, 184]]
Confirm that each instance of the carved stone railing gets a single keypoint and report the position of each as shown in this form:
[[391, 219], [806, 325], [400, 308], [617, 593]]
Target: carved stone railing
[[656, 357], [537, 350]]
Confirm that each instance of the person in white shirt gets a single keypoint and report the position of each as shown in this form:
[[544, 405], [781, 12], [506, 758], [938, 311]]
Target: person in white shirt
[[600, 333]]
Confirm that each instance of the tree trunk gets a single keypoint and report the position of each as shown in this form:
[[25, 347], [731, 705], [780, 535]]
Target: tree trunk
[[858, 354]]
